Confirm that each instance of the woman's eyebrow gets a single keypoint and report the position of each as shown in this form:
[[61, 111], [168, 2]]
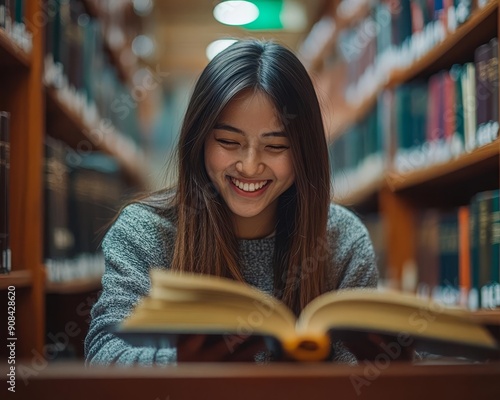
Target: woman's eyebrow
[[229, 128]]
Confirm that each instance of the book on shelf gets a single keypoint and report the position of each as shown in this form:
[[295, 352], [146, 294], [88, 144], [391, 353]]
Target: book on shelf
[[458, 253], [82, 193], [185, 303], [5, 259]]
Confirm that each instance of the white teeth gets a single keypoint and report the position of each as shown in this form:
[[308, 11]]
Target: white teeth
[[252, 187]]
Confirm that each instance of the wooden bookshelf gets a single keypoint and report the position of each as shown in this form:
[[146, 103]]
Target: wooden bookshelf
[[485, 158], [457, 47], [11, 55], [75, 286], [18, 279], [401, 196], [364, 198], [124, 73], [66, 125], [33, 108]]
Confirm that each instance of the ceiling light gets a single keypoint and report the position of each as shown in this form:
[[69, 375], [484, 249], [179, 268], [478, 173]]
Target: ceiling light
[[143, 46], [236, 12], [143, 7], [216, 47]]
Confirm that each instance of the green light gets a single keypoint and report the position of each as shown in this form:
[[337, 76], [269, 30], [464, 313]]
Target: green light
[[269, 16]]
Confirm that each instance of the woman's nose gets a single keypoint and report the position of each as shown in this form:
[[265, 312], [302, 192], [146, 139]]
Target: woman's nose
[[250, 164]]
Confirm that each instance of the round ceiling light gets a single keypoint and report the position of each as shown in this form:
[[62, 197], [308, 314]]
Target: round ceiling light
[[217, 46], [236, 12]]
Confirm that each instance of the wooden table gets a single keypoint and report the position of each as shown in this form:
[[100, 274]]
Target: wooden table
[[259, 382]]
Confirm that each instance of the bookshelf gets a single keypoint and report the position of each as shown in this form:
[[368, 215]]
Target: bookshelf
[[400, 197], [481, 25], [35, 109]]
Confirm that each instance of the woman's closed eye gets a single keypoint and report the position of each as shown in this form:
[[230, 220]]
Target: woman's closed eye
[[227, 143], [277, 147]]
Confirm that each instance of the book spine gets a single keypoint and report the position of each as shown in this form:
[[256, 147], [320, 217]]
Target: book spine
[[19, 7], [484, 218], [463, 10], [493, 84], [58, 240], [448, 259], [5, 259], [483, 95], [474, 298], [464, 253], [3, 13], [494, 286]]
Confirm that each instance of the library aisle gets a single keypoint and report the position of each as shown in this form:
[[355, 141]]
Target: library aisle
[[92, 96]]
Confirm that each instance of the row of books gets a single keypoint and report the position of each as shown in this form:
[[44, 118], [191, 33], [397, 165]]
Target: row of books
[[456, 111], [82, 197], [78, 64], [12, 22], [394, 36], [458, 253], [358, 157], [5, 259], [423, 122]]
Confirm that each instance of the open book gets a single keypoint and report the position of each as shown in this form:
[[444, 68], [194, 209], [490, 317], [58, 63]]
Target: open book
[[196, 304]]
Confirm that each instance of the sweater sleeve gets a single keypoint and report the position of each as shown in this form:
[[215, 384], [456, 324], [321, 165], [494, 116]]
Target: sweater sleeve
[[131, 247]]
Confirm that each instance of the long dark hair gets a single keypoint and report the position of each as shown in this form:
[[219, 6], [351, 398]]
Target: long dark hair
[[206, 242]]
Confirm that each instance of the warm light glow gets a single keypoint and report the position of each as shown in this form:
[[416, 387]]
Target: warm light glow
[[236, 12], [216, 47]]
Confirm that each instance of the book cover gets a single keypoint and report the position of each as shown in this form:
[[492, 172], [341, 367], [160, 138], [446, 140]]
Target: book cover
[[180, 304]]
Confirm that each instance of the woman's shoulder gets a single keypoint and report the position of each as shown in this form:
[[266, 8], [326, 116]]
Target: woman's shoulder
[[141, 218], [344, 224]]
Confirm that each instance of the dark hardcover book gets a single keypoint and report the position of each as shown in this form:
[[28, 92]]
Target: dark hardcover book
[[3, 13], [19, 6], [456, 77], [483, 91], [5, 259], [428, 252], [448, 251], [493, 83], [484, 221], [58, 238], [494, 289], [474, 297]]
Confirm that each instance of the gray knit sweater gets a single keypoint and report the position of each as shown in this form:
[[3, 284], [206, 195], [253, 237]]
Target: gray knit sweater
[[141, 239]]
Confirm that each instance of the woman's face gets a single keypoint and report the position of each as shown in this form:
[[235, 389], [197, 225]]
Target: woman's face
[[248, 159]]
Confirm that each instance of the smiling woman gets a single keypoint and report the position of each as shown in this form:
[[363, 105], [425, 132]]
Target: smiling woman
[[252, 203], [248, 159]]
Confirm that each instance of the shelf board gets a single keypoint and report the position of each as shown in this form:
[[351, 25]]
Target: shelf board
[[11, 55], [64, 124], [18, 279], [362, 196], [75, 286], [488, 317], [471, 164], [478, 29]]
